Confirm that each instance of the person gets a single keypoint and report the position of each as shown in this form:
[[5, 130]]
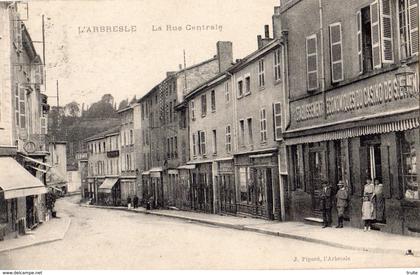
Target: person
[[342, 202], [129, 202], [380, 201], [326, 203], [368, 207], [136, 201]]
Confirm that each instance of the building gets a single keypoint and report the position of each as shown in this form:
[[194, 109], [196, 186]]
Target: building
[[104, 167], [165, 134], [352, 119], [129, 170], [82, 164], [23, 117], [57, 174]]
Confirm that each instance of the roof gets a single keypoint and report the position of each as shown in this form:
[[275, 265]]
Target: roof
[[174, 75], [104, 134]]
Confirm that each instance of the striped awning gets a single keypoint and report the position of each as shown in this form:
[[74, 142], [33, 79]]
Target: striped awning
[[396, 126]]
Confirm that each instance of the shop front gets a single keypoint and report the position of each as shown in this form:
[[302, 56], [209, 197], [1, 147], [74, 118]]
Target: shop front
[[226, 187], [170, 187], [183, 188], [127, 188], [258, 193], [369, 131], [109, 193], [155, 187], [202, 188]]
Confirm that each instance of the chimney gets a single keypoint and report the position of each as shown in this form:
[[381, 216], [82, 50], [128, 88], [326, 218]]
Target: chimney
[[267, 31], [224, 55], [276, 23], [259, 41]]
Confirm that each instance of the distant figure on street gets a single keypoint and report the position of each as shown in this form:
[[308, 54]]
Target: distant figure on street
[[380, 201], [368, 205], [342, 202], [136, 201], [129, 202], [326, 203]]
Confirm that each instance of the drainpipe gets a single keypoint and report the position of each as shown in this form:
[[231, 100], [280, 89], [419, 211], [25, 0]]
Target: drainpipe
[[322, 77]]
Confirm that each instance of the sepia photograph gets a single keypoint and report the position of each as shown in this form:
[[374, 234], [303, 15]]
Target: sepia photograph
[[176, 135]]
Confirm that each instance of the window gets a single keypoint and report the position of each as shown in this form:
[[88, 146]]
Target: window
[[247, 85], [125, 139], [44, 125], [336, 50], [261, 76], [203, 143], [297, 166], [277, 65], [263, 125], [227, 92], [131, 137], [214, 142], [245, 185], [104, 146], [249, 124], [194, 145], [168, 151], [142, 111], [192, 110], [170, 111], [175, 147], [203, 105], [374, 35], [242, 132], [277, 120], [100, 148], [228, 141], [173, 111], [22, 107], [408, 165], [3, 210], [240, 88], [311, 62], [213, 100], [408, 27]]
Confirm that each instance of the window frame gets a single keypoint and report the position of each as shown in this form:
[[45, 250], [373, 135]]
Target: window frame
[[228, 139], [277, 65], [275, 116], [240, 87], [263, 125], [247, 84], [312, 36], [203, 101], [213, 101], [332, 44], [261, 73]]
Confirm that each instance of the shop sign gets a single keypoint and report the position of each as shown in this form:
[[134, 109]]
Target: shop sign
[[361, 98]]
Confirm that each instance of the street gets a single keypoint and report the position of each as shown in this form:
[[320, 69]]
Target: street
[[109, 239]]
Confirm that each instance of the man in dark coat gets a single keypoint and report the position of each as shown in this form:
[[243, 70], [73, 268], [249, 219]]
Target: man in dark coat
[[342, 202], [326, 203], [135, 201]]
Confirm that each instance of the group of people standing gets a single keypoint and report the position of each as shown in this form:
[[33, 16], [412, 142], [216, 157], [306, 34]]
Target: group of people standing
[[135, 202], [373, 206]]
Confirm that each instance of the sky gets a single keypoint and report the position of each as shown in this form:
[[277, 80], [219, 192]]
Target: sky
[[89, 63]]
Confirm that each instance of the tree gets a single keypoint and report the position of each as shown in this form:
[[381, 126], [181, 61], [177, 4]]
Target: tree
[[123, 104], [72, 109], [108, 98]]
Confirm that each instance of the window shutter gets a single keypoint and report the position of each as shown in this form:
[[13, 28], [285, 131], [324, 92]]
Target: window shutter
[[336, 47], [386, 32], [312, 62], [414, 26], [277, 120], [359, 41], [376, 45], [199, 143]]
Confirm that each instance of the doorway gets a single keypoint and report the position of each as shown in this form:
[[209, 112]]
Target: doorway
[[317, 175], [227, 193]]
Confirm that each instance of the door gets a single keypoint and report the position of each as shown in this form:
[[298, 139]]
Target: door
[[317, 174], [227, 193], [269, 195]]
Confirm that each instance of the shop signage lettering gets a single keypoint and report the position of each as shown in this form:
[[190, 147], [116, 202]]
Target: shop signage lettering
[[376, 94]]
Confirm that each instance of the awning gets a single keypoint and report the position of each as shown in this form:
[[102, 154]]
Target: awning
[[395, 126], [186, 167], [37, 161], [16, 181], [107, 185]]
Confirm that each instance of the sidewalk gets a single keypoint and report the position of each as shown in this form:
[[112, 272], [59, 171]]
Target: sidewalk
[[51, 231], [346, 238]]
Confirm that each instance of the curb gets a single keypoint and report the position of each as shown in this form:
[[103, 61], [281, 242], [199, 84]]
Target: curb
[[257, 230], [40, 242]]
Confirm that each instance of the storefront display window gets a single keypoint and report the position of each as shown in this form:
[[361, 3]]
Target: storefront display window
[[245, 185], [408, 165]]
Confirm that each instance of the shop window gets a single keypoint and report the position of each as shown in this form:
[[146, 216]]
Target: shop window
[[245, 186], [296, 167], [260, 185], [408, 165]]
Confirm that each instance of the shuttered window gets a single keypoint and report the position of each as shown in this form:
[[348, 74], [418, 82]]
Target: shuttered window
[[228, 141], [277, 65], [312, 62], [359, 41], [375, 34], [194, 145], [336, 49], [227, 93], [203, 142], [414, 26], [22, 107], [192, 110], [386, 32], [277, 120]]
